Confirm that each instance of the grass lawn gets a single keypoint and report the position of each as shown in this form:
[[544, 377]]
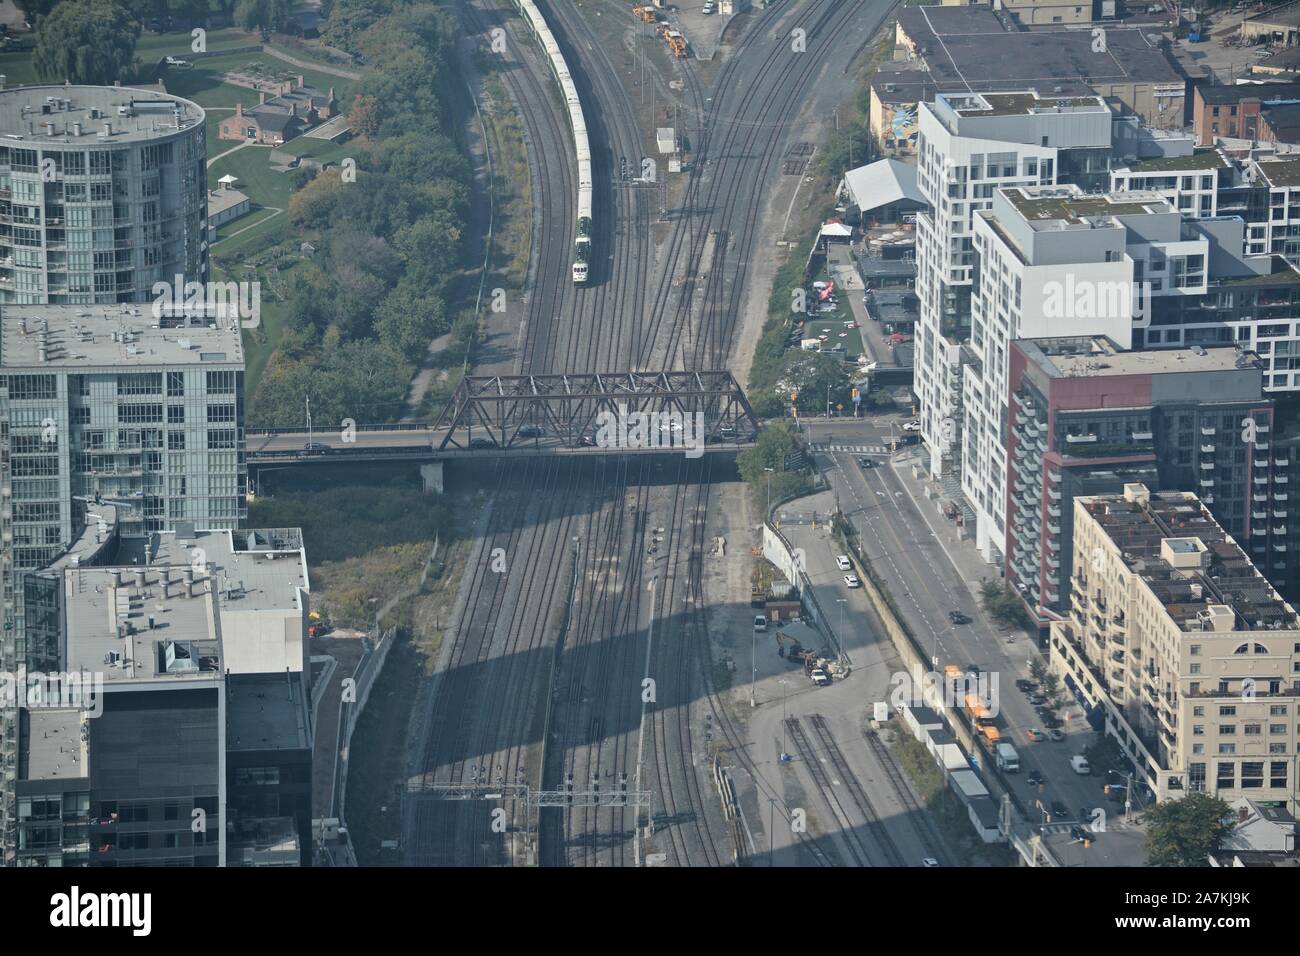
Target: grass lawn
[[243, 232], [321, 150], [153, 46], [257, 179], [832, 326]]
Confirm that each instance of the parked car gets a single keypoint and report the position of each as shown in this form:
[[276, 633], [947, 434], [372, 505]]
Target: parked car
[[843, 563], [819, 677], [957, 617], [1025, 686], [1052, 722], [912, 426], [1056, 733], [1035, 735], [851, 580], [1037, 699]]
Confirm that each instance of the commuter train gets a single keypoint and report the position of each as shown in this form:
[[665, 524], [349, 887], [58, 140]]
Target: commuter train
[[578, 125]]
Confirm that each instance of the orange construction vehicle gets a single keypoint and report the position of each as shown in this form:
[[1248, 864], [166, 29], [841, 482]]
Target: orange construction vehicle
[[644, 13], [676, 43]]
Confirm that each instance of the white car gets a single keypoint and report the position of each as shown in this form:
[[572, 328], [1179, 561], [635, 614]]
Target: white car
[[929, 861], [760, 622], [1080, 764], [851, 580], [843, 563], [911, 426], [175, 61], [819, 677]]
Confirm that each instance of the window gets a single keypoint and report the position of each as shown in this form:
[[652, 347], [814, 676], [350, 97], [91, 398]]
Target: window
[[1253, 730], [175, 384], [1277, 774], [1226, 776], [1227, 730], [1252, 774], [221, 383], [221, 413], [1227, 711]]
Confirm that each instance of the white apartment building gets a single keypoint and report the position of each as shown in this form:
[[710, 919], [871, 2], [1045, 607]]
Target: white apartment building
[[1190, 183], [1053, 261], [1189, 652], [970, 145]]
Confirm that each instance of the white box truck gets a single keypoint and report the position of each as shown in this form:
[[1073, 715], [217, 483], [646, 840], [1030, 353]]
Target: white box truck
[[1008, 759]]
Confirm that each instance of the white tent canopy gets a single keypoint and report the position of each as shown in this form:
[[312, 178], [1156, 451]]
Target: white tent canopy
[[881, 183]]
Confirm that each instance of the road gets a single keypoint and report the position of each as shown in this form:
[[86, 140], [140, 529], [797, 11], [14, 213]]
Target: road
[[909, 546]]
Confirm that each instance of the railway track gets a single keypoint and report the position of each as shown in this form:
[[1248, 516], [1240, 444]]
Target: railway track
[[916, 814]]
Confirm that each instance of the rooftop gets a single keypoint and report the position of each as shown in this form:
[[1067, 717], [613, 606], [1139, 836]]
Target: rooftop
[[52, 744], [1195, 568], [1202, 159], [902, 83], [970, 47], [219, 200], [1235, 93], [132, 115], [1074, 356], [266, 712], [1058, 204], [1026, 103], [1288, 15], [1281, 172], [170, 617], [91, 338]]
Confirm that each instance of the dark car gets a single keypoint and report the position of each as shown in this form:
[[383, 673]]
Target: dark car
[[1079, 833], [957, 617], [1025, 686], [1052, 722], [530, 431], [1034, 779], [1059, 810], [1035, 698], [866, 463], [481, 443], [316, 448]]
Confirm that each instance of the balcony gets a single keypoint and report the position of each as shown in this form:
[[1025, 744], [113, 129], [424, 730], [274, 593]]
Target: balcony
[[1207, 449], [1207, 466], [1209, 431], [1261, 446], [1281, 480], [1143, 436], [1261, 481], [1259, 515], [1081, 439], [1280, 514], [1207, 482]]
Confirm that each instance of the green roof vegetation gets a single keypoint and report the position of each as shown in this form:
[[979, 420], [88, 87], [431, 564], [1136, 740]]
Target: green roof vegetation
[[1285, 172], [1071, 208], [1201, 159]]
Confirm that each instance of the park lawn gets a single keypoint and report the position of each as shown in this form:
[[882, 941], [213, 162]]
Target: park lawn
[[234, 237], [258, 350], [18, 70], [322, 150], [832, 325], [257, 180], [152, 47]]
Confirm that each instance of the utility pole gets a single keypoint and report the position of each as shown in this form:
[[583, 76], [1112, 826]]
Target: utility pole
[[753, 666], [308, 419], [768, 514]]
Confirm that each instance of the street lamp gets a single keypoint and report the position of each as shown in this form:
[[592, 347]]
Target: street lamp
[[841, 602], [767, 514], [753, 665], [783, 682]]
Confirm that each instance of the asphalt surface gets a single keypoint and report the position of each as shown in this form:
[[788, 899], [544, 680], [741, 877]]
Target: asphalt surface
[[910, 549]]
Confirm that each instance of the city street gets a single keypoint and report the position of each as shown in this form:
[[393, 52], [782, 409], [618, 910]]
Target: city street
[[930, 572]]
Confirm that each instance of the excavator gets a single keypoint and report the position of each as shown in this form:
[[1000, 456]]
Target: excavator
[[795, 652]]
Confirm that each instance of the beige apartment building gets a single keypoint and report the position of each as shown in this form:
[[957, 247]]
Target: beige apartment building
[[1188, 650]]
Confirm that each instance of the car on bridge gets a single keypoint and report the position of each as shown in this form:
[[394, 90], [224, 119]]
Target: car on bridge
[[316, 448], [481, 443]]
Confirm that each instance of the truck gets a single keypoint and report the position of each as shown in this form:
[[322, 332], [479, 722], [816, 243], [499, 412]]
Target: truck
[[1008, 759]]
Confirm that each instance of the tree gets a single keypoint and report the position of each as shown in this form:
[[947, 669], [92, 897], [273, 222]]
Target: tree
[[1105, 755], [87, 41], [774, 443], [817, 378], [1184, 832], [1001, 604], [1052, 690], [1037, 669]]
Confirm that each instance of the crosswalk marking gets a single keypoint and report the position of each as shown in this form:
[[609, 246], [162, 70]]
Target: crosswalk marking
[[855, 449]]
